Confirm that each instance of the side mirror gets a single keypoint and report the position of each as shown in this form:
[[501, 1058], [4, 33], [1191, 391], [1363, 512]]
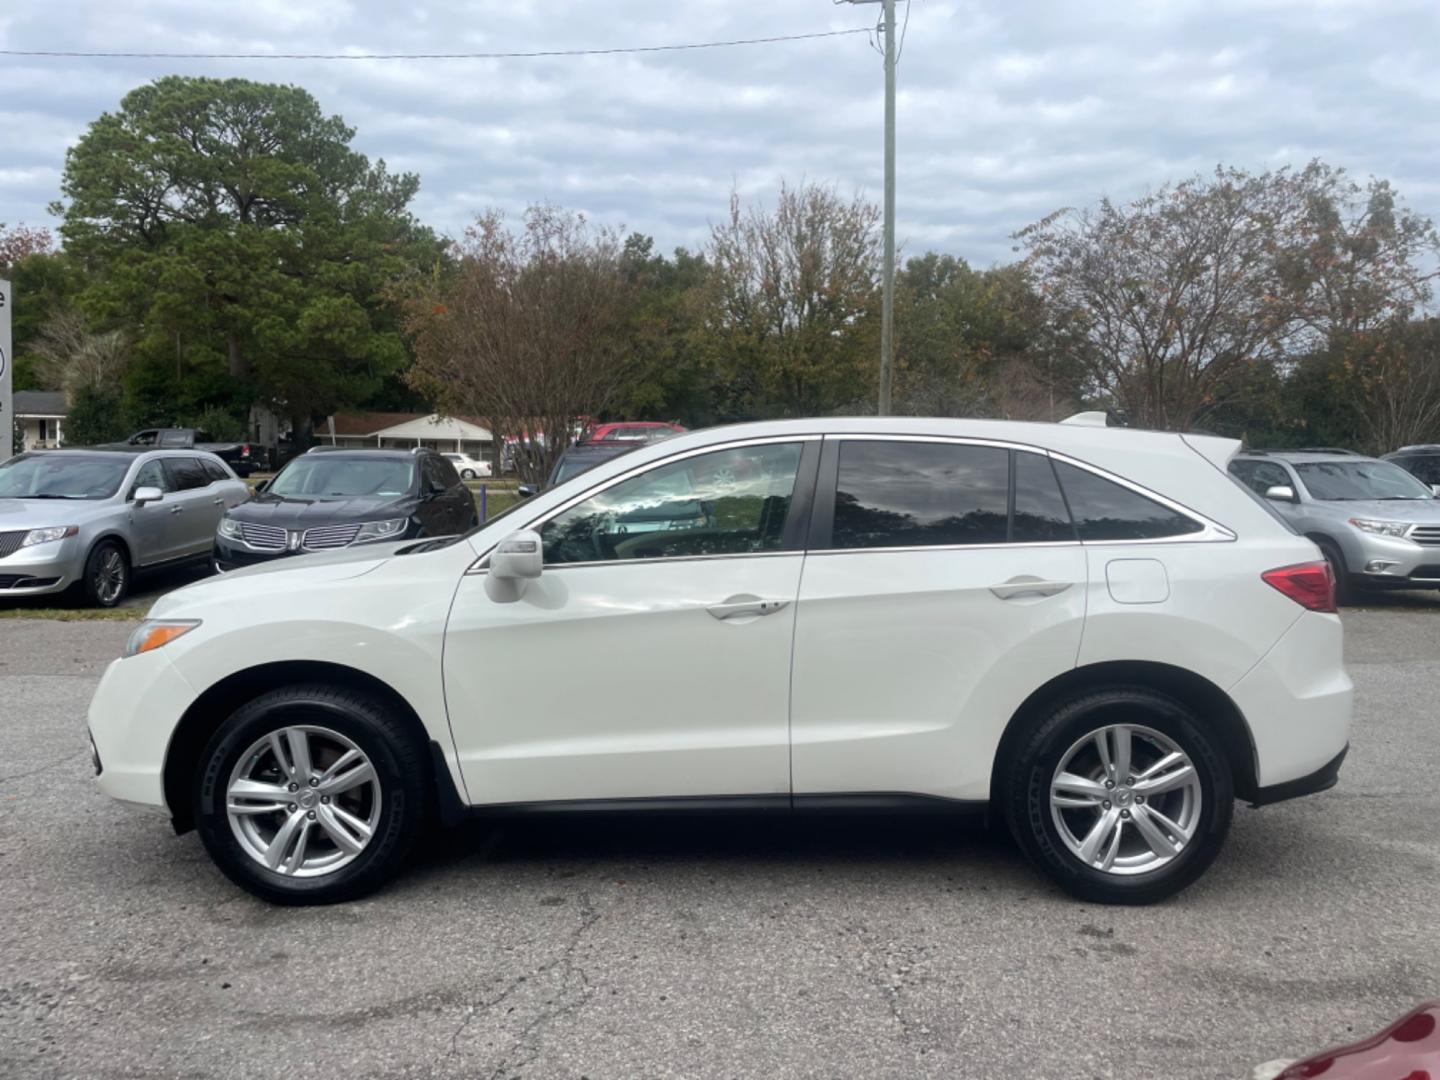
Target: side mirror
[[514, 562], [145, 495], [1282, 493], [526, 491]]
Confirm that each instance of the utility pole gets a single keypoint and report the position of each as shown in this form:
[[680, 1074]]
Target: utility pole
[[887, 295], [7, 404], [887, 272]]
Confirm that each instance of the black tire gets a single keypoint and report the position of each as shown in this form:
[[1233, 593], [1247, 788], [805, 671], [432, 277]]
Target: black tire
[[107, 575], [1344, 584], [1026, 793], [401, 770], [468, 474]]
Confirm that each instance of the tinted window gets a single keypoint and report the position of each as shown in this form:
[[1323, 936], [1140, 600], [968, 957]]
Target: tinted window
[[1106, 511], [909, 494], [1425, 468], [1260, 476], [214, 470], [1040, 512], [1358, 481], [445, 476], [186, 473], [730, 502], [152, 474]]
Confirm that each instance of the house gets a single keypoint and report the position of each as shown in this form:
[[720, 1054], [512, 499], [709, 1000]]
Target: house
[[444, 433], [41, 415]]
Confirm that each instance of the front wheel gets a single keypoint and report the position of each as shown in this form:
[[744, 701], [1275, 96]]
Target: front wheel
[[107, 575], [1120, 796], [311, 795]]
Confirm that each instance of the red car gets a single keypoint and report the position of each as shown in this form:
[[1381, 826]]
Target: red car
[[1408, 1049], [631, 431]]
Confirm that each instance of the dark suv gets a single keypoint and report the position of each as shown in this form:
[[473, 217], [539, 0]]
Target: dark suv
[[329, 499], [1421, 462]]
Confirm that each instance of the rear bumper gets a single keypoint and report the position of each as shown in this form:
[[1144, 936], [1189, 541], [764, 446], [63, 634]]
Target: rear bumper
[[1322, 779]]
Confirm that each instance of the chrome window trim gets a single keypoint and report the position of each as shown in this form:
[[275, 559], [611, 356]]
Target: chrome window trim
[[480, 564]]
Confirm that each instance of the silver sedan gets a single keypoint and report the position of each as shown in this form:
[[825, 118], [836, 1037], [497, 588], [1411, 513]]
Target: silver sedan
[[91, 519]]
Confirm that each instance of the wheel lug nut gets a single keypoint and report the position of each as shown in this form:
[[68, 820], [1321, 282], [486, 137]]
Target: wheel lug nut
[[315, 781], [293, 808], [311, 815], [1123, 813], [1139, 798], [1106, 804], [324, 798], [294, 787]]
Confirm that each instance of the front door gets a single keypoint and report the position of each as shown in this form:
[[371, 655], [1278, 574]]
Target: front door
[[945, 580], [652, 655], [154, 533]]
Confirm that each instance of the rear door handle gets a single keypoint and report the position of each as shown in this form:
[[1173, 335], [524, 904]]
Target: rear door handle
[[1028, 586], [177, 509], [737, 606], [218, 502]]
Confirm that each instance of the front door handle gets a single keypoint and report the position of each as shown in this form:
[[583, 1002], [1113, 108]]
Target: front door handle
[[1027, 585], [740, 606], [218, 502], [177, 509]]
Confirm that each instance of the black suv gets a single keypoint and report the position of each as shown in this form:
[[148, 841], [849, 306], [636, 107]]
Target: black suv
[[331, 498], [1421, 462]]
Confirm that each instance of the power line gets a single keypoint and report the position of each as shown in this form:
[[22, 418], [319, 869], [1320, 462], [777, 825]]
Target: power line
[[75, 54]]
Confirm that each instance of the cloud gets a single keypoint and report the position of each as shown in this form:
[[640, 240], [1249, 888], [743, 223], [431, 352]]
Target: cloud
[[1007, 111]]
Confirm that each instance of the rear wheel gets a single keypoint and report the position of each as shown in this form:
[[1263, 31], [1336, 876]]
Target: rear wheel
[[107, 574], [311, 795], [1120, 796], [468, 474]]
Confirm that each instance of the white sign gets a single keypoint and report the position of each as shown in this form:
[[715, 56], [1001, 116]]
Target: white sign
[[7, 404]]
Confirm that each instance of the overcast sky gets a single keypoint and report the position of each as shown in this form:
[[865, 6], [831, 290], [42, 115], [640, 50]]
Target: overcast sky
[[1007, 110]]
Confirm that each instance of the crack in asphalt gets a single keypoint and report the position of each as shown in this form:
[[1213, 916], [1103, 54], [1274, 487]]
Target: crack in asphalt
[[589, 916], [42, 768]]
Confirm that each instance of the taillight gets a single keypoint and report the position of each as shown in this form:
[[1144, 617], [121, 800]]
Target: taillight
[[1309, 584], [245, 450]]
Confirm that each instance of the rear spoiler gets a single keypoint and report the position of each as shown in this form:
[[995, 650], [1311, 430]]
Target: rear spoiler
[[1213, 449]]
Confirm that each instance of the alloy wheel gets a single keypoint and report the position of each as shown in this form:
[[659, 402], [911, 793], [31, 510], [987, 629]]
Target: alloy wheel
[[1125, 799], [303, 801], [108, 578]]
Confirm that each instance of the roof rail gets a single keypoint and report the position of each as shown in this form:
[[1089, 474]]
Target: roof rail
[[1306, 450]]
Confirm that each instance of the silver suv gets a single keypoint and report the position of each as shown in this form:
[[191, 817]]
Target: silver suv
[[1377, 525], [91, 518]]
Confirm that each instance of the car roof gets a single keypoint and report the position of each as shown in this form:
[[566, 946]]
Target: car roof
[[129, 453], [366, 451]]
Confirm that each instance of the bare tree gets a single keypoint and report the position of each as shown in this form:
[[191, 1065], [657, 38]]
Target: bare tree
[[1394, 376], [788, 299], [71, 358], [527, 330], [1165, 300]]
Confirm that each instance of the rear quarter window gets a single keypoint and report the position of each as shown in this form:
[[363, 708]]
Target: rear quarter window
[[1105, 510]]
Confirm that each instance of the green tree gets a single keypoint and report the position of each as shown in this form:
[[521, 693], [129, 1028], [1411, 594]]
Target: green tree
[[232, 224], [94, 417]]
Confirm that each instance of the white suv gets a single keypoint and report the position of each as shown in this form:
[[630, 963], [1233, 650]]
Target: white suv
[[1097, 633]]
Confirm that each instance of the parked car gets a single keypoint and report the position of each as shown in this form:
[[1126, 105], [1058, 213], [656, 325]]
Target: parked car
[[1421, 462], [1377, 525], [328, 499], [242, 457], [92, 519], [468, 467], [576, 459], [1409, 1049], [1095, 632], [631, 431]]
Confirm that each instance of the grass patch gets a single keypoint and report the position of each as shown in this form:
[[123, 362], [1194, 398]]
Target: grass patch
[[74, 614]]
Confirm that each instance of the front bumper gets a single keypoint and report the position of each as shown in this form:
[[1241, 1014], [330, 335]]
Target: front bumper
[[230, 555], [1393, 562], [133, 715], [42, 568]]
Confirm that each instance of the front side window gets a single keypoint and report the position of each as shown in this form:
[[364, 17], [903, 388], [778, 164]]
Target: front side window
[[1104, 510], [728, 502], [1359, 481], [152, 475], [915, 494]]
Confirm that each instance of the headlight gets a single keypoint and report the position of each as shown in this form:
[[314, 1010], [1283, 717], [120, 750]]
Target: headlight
[[1382, 528], [381, 530], [153, 633], [44, 536], [230, 529]]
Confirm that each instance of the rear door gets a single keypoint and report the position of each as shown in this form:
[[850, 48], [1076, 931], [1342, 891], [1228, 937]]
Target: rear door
[[195, 508], [944, 581]]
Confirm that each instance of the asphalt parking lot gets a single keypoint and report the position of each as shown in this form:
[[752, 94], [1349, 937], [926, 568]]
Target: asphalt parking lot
[[878, 947]]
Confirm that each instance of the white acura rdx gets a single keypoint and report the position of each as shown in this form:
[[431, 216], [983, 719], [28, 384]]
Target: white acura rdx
[[1096, 633]]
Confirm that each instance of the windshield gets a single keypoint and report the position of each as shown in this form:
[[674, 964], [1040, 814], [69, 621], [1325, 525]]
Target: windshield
[[322, 476], [1356, 481], [62, 476]]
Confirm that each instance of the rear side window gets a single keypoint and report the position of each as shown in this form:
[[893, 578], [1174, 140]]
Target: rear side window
[[1104, 510], [214, 470], [1040, 513], [913, 494], [186, 473], [1260, 476]]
